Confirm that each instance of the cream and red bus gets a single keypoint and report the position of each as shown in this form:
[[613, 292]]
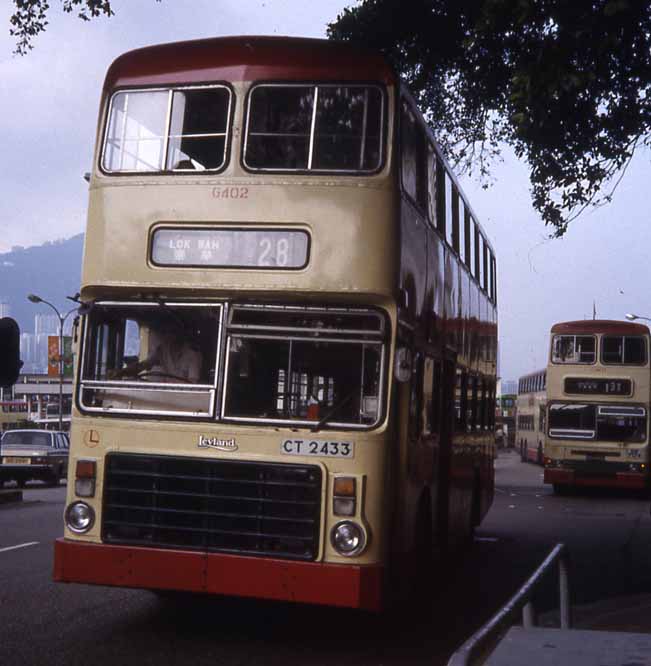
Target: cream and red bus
[[598, 402], [287, 338], [530, 416]]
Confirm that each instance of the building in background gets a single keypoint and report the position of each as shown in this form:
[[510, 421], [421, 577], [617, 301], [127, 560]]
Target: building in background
[[40, 394]]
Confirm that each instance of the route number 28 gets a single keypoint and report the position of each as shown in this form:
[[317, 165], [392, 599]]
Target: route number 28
[[273, 256]]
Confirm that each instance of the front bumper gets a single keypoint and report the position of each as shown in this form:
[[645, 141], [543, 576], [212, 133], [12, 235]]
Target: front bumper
[[11, 471], [217, 573], [569, 477]]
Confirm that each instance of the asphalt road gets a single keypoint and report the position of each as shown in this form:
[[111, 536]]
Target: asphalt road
[[41, 622]]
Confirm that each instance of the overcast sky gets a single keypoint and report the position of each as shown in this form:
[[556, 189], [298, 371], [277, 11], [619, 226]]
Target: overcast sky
[[47, 124]]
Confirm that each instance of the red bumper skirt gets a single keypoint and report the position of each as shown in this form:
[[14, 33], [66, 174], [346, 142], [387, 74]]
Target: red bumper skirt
[[215, 573], [567, 477]]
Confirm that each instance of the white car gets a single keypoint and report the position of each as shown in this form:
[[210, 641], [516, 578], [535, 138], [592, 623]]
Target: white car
[[27, 455]]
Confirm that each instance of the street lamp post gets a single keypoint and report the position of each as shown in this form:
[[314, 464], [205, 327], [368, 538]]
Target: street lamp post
[[37, 299], [633, 317]]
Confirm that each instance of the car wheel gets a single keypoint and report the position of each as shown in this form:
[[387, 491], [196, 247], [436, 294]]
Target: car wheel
[[53, 479]]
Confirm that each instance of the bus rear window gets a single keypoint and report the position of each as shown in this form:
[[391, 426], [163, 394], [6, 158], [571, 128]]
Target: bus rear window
[[623, 350], [182, 129], [574, 349], [314, 128]]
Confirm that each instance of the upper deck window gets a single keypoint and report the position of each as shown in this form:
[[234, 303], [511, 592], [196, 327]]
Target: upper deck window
[[183, 129], [314, 128], [574, 349], [623, 350]]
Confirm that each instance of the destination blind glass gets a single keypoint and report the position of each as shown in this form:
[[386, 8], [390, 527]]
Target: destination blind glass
[[230, 248], [581, 386]]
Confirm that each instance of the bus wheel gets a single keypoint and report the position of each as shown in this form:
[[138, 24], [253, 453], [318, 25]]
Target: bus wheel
[[523, 452], [540, 454]]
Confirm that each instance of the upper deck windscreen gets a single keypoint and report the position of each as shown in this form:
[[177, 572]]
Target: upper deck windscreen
[[183, 129], [303, 105], [314, 127]]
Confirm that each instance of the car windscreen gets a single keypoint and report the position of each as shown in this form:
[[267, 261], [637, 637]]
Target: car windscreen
[[25, 438]]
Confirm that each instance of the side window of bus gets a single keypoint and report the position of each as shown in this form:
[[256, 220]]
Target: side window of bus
[[416, 399], [468, 252], [431, 393], [481, 274], [441, 177], [451, 194], [461, 400], [414, 159], [471, 404], [461, 229], [474, 249], [492, 285], [541, 419], [490, 406], [432, 186]]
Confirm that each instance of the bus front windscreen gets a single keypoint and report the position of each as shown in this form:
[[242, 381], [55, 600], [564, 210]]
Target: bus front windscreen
[[608, 423], [150, 358], [280, 365]]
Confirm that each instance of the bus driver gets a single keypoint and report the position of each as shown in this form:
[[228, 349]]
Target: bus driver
[[173, 359]]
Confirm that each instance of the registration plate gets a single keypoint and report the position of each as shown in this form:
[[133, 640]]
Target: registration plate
[[318, 447], [16, 461]]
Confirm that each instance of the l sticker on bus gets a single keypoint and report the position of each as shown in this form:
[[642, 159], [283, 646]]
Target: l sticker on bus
[[318, 447]]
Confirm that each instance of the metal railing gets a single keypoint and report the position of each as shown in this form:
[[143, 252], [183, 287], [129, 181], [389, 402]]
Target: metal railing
[[479, 646]]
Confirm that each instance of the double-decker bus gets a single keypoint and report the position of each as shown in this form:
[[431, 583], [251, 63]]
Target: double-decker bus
[[287, 342], [530, 416], [598, 401], [505, 407]]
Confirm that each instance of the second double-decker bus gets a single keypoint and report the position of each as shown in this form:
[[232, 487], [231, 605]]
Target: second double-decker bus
[[531, 415], [598, 401], [287, 343], [505, 407]]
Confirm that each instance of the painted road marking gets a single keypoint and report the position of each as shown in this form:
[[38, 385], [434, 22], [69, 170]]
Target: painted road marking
[[20, 545]]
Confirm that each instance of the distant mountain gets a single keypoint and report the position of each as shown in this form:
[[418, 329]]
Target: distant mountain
[[52, 271]]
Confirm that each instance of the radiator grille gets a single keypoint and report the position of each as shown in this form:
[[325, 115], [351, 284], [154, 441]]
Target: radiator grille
[[266, 509]]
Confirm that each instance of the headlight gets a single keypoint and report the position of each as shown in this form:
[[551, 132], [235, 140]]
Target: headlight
[[348, 538], [79, 517]]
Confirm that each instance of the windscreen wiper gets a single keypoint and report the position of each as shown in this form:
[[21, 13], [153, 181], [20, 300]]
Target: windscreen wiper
[[332, 412]]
